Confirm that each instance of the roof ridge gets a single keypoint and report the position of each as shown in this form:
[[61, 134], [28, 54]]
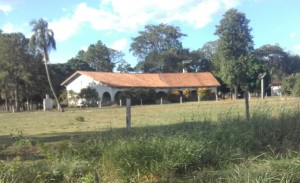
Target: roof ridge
[[157, 80]]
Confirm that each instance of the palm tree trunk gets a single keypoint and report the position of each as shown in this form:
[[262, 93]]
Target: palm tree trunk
[[49, 81]]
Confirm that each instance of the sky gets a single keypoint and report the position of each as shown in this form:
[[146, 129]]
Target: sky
[[80, 23]]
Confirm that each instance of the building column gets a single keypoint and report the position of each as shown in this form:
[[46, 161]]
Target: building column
[[216, 92]]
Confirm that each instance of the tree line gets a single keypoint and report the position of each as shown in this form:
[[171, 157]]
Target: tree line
[[232, 58]]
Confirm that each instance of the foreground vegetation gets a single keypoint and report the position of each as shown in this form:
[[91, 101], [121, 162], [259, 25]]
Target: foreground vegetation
[[230, 149]]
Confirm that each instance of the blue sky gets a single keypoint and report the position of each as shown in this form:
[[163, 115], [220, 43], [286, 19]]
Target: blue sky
[[79, 23]]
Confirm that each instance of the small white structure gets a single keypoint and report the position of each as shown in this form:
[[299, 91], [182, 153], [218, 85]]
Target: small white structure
[[47, 103], [276, 88], [109, 85]]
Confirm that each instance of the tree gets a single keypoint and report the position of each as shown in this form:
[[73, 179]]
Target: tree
[[100, 57], [158, 48], [209, 49], [76, 64], [90, 95], [13, 56], [234, 56], [234, 50], [43, 40], [295, 63], [20, 71], [275, 59], [200, 63], [291, 85], [124, 67]]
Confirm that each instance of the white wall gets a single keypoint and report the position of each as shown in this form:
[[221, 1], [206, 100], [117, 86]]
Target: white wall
[[84, 81], [275, 91], [79, 83]]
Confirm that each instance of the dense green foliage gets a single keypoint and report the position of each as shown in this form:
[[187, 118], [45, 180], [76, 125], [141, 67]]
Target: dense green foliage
[[159, 48], [291, 85], [266, 149], [21, 71], [138, 96], [275, 59], [101, 58], [90, 95], [233, 59]]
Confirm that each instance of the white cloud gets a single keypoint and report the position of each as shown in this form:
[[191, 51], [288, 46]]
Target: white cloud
[[64, 28], [293, 35], [119, 45], [11, 28], [120, 15], [8, 28], [197, 13], [5, 8]]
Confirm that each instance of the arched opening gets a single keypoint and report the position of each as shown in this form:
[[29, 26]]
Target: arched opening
[[118, 97], [161, 94], [106, 99], [206, 94], [194, 95], [174, 96]]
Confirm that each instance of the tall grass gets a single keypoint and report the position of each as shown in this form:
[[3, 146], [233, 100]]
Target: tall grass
[[264, 149]]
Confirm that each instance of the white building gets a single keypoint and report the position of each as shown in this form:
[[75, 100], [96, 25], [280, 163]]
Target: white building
[[276, 88], [109, 85]]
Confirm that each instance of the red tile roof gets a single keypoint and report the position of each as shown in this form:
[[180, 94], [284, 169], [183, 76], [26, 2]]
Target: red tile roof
[[150, 80], [276, 83]]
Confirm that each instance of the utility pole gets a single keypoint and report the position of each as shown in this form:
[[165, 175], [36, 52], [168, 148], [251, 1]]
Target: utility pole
[[261, 77]]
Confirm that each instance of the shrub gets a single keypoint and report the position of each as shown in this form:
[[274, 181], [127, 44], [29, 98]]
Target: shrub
[[174, 96], [206, 94], [148, 96], [187, 94], [90, 95], [79, 118], [291, 85]]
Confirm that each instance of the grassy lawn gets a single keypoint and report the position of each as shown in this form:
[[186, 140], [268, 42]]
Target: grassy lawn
[[189, 142], [52, 122]]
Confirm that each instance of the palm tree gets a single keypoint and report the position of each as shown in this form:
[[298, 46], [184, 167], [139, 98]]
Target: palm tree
[[43, 40]]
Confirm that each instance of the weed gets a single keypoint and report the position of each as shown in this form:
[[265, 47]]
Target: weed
[[79, 118]]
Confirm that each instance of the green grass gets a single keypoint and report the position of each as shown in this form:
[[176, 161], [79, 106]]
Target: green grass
[[95, 119], [206, 142]]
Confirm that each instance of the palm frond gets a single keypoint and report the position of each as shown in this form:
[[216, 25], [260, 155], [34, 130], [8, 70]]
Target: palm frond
[[43, 36]]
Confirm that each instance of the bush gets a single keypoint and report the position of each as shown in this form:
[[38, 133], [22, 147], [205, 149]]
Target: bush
[[206, 94], [90, 95], [79, 118], [148, 96], [291, 85], [174, 96]]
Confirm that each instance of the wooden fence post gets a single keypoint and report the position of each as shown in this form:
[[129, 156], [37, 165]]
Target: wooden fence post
[[247, 105], [128, 114]]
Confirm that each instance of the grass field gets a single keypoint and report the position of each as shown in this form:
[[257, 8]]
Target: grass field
[[52, 122], [190, 142]]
